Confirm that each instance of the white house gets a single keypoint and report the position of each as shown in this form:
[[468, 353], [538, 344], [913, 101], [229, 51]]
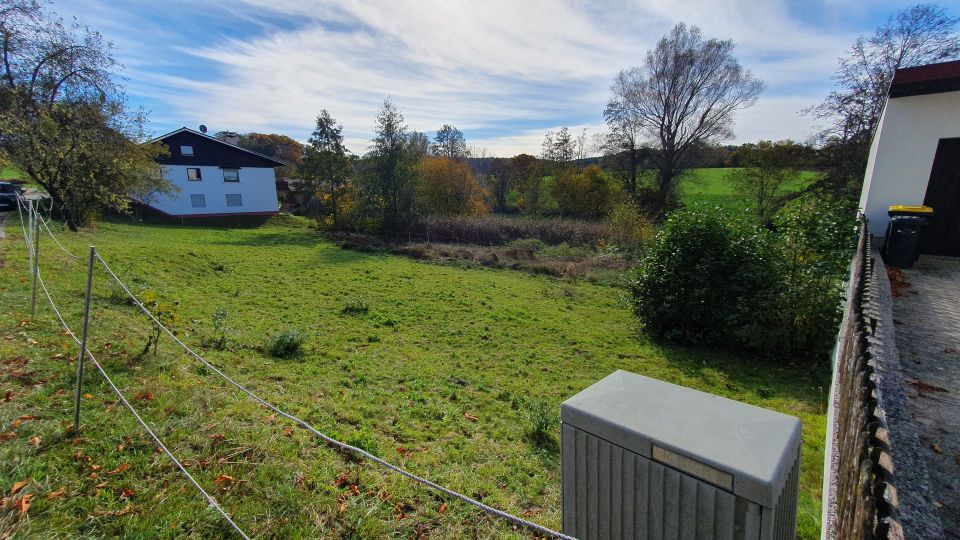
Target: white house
[[915, 155], [214, 178]]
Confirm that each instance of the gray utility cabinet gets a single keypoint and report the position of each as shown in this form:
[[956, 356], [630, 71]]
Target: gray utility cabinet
[[647, 459]]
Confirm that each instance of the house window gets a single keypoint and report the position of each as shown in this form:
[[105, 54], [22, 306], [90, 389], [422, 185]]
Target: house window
[[186, 150], [231, 175], [193, 174], [198, 201], [234, 199]]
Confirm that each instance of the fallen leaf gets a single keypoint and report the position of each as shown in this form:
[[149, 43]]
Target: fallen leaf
[[88, 396], [224, 479], [26, 417], [96, 467], [7, 436], [288, 431], [443, 508], [31, 341], [127, 492], [8, 396], [936, 448], [16, 423], [470, 417], [101, 485], [35, 441], [143, 395], [342, 506], [354, 489], [120, 469], [23, 503], [93, 476], [342, 479], [532, 511], [17, 486], [272, 418], [56, 494]]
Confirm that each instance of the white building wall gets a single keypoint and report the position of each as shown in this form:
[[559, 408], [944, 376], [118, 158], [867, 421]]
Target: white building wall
[[902, 152], [257, 187]]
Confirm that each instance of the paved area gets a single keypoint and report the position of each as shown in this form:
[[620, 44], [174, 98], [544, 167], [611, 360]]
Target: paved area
[[927, 321]]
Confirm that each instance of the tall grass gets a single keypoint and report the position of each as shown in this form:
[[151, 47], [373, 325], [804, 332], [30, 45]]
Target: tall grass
[[502, 230]]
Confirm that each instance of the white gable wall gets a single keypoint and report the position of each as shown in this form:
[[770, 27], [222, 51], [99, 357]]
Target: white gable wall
[[257, 187], [902, 152]]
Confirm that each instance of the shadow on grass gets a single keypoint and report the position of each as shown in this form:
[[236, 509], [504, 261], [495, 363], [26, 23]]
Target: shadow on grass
[[746, 373]]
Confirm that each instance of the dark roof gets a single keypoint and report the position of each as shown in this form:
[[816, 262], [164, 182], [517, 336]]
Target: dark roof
[[220, 152], [928, 79]]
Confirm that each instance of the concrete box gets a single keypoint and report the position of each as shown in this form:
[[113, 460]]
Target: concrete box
[[643, 458]]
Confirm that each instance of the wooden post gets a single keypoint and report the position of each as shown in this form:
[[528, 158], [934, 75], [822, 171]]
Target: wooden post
[[83, 341]]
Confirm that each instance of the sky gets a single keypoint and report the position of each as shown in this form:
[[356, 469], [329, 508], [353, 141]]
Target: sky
[[504, 72]]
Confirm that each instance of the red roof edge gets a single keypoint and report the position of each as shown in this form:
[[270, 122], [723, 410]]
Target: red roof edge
[[928, 79]]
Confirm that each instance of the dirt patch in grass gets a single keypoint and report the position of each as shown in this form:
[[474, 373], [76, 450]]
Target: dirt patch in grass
[[562, 262]]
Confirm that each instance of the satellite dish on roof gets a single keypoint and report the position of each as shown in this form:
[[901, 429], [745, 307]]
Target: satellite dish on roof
[[203, 128]]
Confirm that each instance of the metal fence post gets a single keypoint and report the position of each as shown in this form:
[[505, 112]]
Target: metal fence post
[[83, 340], [35, 270]]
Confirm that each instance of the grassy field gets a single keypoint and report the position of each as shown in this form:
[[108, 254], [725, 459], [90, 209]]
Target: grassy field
[[9, 172], [710, 186], [447, 371]]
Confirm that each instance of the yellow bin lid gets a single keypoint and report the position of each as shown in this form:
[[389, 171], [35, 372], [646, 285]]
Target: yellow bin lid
[[909, 209]]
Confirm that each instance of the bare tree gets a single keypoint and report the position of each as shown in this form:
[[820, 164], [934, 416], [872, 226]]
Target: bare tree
[[685, 93], [918, 35]]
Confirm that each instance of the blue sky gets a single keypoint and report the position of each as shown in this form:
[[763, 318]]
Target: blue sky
[[504, 72]]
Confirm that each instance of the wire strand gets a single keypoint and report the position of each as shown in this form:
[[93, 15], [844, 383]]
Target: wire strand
[[210, 500], [46, 225], [330, 440]]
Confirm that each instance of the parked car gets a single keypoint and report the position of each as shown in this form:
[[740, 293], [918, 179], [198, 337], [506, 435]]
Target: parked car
[[8, 195]]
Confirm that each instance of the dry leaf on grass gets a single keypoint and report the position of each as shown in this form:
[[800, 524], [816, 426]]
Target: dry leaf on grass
[[23, 503], [120, 469], [56, 494], [288, 431], [88, 396], [443, 508], [342, 479], [35, 441], [127, 492], [470, 417], [17, 486]]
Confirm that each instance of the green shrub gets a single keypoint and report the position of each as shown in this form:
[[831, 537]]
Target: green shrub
[[285, 344], [542, 425], [817, 238], [630, 229], [355, 305], [709, 277], [217, 338]]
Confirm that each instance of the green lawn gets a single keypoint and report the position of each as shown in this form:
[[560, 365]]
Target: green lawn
[[710, 186], [444, 375], [7, 173]]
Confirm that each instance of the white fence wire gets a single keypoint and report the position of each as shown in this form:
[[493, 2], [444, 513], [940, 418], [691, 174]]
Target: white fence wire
[[302, 423]]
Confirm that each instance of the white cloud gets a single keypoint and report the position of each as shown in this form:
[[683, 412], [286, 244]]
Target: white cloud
[[497, 66]]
